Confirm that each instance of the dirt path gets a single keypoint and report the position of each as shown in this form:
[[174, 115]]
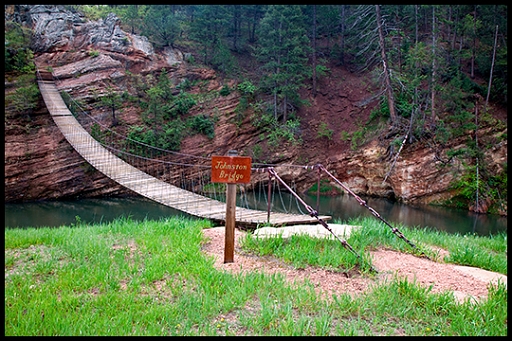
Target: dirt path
[[463, 281]]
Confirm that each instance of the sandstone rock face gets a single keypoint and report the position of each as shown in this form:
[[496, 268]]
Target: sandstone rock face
[[41, 164], [53, 27], [415, 177]]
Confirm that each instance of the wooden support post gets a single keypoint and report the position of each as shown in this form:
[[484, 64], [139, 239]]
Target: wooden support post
[[229, 238], [318, 192], [268, 197]]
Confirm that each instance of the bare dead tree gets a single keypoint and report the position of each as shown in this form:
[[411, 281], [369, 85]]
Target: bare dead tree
[[473, 50], [361, 32], [492, 68], [433, 89], [313, 91], [386, 71]]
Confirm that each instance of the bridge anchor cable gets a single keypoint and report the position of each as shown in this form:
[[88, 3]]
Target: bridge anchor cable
[[314, 213], [362, 202]]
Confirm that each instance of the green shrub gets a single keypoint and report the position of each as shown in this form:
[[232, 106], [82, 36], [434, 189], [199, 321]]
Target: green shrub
[[246, 88], [17, 54], [357, 139], [345, 136], [183, 103], [169, 138], [279, 133], [240, 109], [322, 70], [184, 85], [94, 53], [96, 132], [202, 124], [26, 95], [324, 131], [174, 132], [225, 91]]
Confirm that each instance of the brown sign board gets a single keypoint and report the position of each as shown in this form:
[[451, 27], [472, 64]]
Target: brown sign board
[[231, 169]]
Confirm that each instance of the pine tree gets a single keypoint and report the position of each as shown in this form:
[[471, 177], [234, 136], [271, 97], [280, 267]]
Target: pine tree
[[112, 100], [283, 51], [161, 25], [209, 29]]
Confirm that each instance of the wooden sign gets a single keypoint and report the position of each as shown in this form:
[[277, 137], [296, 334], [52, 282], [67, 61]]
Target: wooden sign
[[231, 169]]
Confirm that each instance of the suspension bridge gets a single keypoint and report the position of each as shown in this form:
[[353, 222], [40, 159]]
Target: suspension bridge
[[183, 183], [125, 167]]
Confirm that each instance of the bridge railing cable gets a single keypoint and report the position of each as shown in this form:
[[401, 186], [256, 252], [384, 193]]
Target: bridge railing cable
[[81, 113], [188, 171], [195, 168]]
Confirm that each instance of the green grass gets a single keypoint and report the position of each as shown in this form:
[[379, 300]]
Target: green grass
[[151, 278], [488, 253]]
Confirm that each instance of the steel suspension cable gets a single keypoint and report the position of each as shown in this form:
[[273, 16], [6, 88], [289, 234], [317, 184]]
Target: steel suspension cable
[[395, 230], [84, 113], [314, 213], [296, 200], [281, 198]]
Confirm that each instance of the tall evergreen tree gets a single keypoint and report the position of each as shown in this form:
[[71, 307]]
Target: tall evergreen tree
[[131, 16], [328, 23], [283, 49], [161, 25], [160, 102], [236, 26], [210, 28], [252, 15]]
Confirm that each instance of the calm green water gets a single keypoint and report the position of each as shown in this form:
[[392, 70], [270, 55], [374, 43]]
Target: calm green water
[[343, 207]]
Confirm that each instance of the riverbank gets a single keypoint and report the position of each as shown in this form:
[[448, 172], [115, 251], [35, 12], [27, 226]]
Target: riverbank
[[343, 207], [155, 278]]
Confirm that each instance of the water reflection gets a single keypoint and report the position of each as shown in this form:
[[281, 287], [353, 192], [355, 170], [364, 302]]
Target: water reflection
[[343, 207], [435, 217], [65, 212]]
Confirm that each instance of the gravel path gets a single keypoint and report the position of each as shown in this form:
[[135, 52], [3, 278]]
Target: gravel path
[[463, 281]]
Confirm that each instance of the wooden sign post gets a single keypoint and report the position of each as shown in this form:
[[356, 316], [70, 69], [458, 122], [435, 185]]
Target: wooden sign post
[[231, 170]]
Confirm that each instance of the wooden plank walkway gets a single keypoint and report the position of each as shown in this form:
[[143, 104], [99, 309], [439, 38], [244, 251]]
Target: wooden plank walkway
[[146, 185]]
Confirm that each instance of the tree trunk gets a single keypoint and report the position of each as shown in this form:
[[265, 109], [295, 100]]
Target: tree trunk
[[342, 35], [285, 108], [114, 118], [473, 53], [236, 25], [477, 207], [396, 157], [416, 24], [454, 36], [275, 103], [389, 89], [492, 68], [313, 91], [433, 87]]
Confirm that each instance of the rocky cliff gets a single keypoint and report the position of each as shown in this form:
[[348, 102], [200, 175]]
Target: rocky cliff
[[85, 56]]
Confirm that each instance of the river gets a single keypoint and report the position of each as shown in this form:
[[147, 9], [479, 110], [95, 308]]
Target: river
[[343, 207]]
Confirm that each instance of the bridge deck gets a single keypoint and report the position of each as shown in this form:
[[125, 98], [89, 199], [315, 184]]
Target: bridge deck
[[146, 185]]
